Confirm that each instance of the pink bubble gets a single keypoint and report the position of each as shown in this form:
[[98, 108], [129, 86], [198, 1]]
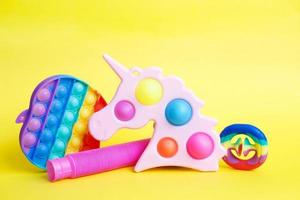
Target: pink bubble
[[38, 109], [34, 124], [200, 145], [28, 139], [43, 94], [124, 110]]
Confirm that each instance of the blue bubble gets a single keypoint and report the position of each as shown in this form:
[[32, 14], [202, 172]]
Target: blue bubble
[[52, 120], [53, 156], [178, 112], [46, 135], [59, 146], [41, 151], [63, 132], [78, 88], [69, 117], [74, 102], [56, 106], [61, 91]]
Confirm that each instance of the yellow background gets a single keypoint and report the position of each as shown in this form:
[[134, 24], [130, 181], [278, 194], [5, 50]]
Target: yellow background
[[242, 57]]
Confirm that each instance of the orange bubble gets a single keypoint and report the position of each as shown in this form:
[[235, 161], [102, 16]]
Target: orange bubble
[[167, 147]]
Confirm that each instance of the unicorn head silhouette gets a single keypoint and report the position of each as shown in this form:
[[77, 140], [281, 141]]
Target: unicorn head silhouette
[[182, 136]]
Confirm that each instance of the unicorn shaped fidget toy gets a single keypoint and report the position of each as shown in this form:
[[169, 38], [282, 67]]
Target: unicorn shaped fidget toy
[[182, 136]]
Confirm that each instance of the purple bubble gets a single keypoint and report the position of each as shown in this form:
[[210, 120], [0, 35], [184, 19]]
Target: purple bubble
[[43, 94], [124, 110], [38, 109], [34, 124], [28, 139]]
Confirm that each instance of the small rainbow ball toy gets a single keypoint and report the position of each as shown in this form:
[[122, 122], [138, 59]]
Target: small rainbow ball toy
[[247, 146]]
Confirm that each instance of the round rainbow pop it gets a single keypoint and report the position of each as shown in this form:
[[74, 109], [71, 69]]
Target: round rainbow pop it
[[56, 122], [247, 146]]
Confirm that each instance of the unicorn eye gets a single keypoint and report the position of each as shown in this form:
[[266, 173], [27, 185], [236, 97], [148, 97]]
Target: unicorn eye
[[124, 110], [135, 71]]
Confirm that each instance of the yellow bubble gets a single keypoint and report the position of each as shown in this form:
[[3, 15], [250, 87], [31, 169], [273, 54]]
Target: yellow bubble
[[80, 127], [76, 142], [149, 91], [91, 98], [70, 150], [85, 112]]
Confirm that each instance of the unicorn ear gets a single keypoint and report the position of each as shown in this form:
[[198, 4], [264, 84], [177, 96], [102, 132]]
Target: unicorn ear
[[118, 68]]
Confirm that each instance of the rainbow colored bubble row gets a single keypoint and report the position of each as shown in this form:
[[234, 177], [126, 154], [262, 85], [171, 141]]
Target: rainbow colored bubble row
[[56, 122]]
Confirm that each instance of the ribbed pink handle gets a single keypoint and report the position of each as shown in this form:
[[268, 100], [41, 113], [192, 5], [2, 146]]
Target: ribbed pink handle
[[96, 160]]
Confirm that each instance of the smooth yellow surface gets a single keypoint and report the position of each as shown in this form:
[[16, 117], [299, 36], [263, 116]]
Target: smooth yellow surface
[[149, 91], [241, 57]]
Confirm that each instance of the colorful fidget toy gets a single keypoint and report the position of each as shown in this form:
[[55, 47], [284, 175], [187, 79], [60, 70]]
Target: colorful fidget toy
[[56, 122], [124, 155], [247, 146], [182, 136]]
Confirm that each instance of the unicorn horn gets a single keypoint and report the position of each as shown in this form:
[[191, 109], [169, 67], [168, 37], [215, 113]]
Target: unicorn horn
[[116, 66]]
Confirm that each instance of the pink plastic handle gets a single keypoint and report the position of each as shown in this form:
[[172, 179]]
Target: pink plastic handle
[[96, 160]]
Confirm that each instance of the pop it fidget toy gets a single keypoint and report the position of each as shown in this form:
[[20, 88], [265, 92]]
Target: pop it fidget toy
[[182, 135], [247, 146], [56, 122]]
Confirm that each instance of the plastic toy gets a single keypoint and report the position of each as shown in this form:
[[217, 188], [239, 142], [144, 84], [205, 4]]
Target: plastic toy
[[242, 153], [96, 160], [182, 136], [56, 122], [247, 146]]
